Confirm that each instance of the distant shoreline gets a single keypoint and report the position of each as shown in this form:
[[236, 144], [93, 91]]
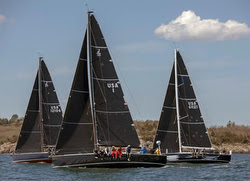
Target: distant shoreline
[[231, 137], [236, 149]]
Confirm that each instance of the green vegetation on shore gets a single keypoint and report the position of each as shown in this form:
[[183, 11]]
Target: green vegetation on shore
[[229, 137]]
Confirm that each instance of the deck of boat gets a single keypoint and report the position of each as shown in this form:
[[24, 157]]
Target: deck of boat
[[190, 158], [95, 161]]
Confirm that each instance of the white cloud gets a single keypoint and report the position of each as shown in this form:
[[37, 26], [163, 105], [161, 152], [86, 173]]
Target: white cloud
[[190, 27], [3, 19]]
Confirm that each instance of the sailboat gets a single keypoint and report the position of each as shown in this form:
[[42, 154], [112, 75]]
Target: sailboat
[[181, 130], [42, 121], [97, 115]]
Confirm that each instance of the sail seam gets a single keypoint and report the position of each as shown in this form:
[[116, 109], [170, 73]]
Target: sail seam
[[50, 103], [183, 75], [36, 132], [30, 110], [180, 84], [48, 125], [77, 123], [78, 91], [187, 99], [191, 122], [99, 47], [184, 117], [168, 107], [83, 59], [167, 131], [112, 112], [105, 79]]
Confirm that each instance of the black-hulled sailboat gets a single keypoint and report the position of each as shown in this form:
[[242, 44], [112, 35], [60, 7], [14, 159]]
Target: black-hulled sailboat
[[97, 115], [41, 125], [181, 129]]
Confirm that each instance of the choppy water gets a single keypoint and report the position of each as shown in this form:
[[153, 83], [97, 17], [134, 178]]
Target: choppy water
[[238, 169]]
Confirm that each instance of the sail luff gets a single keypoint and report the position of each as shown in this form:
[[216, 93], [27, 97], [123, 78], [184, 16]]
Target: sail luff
[[90, 80], [177, 101], [40, 102]]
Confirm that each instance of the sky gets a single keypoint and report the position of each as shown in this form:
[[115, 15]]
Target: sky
[[213, 38]]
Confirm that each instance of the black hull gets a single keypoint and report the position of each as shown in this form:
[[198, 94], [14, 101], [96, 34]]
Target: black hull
[[32, 157], [93, 161], [190, 158]]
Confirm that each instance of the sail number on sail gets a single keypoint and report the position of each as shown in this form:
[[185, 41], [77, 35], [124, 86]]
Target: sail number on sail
[[54, 109], [112, 86], [192, 105]]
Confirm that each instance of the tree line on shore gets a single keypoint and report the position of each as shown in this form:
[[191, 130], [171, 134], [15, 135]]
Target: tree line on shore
[[229, 134]]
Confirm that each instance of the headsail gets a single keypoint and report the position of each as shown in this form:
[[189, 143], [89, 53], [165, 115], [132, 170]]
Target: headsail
[[30, 134], [41, 124], [192, 126], [77, 129], [167, 131]]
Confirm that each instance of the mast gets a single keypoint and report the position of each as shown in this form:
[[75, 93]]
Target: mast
[[40, 102], [177, 100], [90, 79]]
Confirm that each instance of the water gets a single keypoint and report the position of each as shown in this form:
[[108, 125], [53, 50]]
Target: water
[[237, 169]]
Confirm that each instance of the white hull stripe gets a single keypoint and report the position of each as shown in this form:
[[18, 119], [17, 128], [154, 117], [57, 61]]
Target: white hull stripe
[[208, 148], [47, 81], [109, 163]]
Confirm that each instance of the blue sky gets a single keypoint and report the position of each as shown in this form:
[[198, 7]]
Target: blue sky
[[216, 53]]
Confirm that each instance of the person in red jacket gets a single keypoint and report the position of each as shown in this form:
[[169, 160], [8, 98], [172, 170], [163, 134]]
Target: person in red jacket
[[114, 152], [119, 151]]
